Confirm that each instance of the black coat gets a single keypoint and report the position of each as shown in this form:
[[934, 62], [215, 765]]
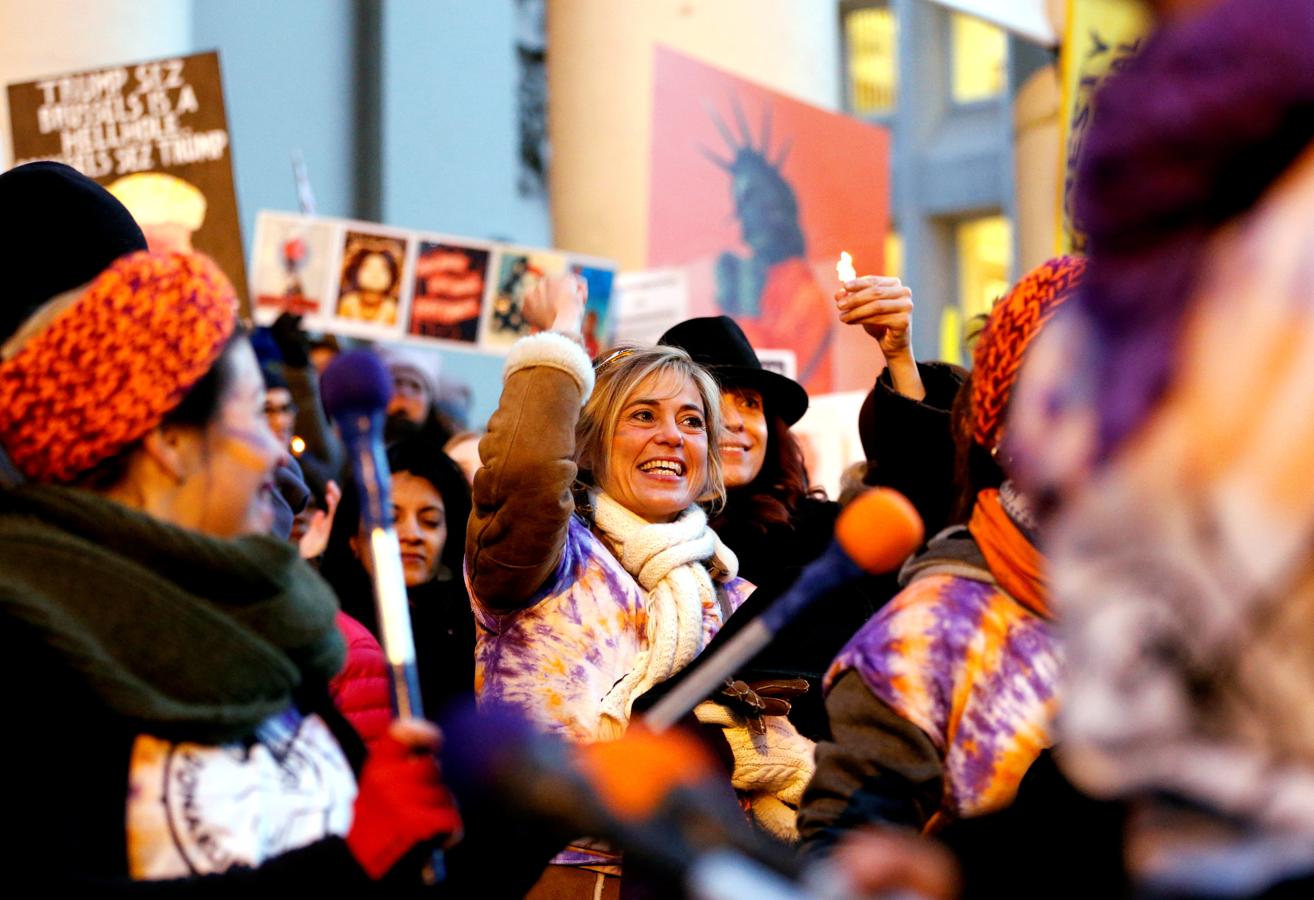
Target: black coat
[[443, 627], [773, 561], [909, 443]]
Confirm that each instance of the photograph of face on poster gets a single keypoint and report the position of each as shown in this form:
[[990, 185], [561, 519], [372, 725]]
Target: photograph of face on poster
[[517, 272], [448, 294], [597, 325], [370, 279], [290, 267]]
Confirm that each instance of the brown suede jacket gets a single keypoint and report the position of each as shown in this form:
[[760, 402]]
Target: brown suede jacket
[[522, 493]]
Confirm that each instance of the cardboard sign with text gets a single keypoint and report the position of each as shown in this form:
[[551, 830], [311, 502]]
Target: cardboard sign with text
[[156, 135]]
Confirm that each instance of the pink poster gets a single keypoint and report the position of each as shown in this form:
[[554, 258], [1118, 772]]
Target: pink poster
[[754, 194]]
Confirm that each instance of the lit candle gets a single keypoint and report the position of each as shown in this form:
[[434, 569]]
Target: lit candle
[[844, 268]]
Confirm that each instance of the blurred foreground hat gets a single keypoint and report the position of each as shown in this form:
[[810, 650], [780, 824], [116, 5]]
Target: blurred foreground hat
[[1187, 136], [60, 230], [719, 344], [1013, 322], [108, 368]]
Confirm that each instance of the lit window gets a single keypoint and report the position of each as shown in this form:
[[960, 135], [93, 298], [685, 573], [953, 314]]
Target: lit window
[[951, 336], [893, 254], [872, 36], [985, 259], [980, 53]]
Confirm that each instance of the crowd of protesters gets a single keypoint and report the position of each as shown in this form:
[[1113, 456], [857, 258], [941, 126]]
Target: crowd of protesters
[[1090, 679]]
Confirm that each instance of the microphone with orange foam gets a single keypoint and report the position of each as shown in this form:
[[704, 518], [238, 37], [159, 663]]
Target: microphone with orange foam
[[874, 534], [662, 798]]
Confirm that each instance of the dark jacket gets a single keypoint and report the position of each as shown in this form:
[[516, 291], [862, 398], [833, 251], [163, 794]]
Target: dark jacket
[[772, 560], [909, 443], [113, 621], [442, 625]]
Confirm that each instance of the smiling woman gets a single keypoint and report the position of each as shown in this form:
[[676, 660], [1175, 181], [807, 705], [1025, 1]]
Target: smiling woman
[[594, 573], [430, 506], [643, 434]]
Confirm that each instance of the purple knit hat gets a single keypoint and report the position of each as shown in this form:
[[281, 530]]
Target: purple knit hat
[[1189, 135]]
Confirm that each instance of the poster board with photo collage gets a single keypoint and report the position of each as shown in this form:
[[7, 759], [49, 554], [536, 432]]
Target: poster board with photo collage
[[380, 283]]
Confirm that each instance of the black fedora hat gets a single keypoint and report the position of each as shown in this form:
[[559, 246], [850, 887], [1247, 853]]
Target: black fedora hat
[[719, 344]]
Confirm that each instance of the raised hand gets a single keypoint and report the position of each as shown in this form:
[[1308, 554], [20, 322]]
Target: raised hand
[[883, 306], [556, 303]]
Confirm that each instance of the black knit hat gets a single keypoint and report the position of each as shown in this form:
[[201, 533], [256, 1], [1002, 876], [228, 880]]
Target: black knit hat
[[59, 230], [719, 344]]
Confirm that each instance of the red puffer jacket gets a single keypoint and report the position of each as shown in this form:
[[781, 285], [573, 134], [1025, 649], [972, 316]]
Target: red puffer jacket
[[361, 690]]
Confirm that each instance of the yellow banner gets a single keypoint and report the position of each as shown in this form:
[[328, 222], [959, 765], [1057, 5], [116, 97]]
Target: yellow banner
[[1100, 36]]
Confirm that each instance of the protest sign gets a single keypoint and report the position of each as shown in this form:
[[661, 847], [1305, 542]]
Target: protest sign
[[155, 134], [364, 280]]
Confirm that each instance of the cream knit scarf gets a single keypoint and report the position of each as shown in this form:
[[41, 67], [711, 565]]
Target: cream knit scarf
[[671, 562]]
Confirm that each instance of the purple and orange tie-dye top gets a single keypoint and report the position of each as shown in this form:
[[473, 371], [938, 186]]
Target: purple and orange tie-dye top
[[974, 668], [557, 658]]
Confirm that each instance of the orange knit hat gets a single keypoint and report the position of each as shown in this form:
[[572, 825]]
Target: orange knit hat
[[111, 366], [1014, 321]]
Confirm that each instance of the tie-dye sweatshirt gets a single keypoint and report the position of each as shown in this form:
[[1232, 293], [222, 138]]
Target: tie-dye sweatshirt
[[972, 668], [559, 656], [956, 692]]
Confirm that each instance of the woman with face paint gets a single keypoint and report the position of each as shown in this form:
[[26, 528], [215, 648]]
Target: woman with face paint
[[175, 655]]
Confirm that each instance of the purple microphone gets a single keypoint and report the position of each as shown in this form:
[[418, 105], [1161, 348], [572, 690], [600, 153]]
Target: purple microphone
[[356, 388]]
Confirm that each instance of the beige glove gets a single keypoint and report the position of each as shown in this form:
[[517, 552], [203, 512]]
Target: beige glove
[[771, 767]]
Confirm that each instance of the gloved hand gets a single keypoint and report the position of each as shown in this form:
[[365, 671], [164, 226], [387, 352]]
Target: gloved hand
[[756, 699], [402, 802], [291, 341]]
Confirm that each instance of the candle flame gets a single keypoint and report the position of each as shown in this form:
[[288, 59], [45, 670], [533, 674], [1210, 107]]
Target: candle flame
[[844, 268]]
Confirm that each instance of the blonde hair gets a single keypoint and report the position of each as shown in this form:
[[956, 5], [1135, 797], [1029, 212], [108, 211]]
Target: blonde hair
[[617, 375]]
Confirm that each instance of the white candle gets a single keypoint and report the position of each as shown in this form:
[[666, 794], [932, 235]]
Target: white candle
[[844, 268]]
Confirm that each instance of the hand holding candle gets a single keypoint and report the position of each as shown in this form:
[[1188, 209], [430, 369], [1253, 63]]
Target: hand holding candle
[[883, 306]]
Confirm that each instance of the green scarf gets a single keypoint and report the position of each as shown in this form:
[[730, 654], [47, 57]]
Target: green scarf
[[184, 634]]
